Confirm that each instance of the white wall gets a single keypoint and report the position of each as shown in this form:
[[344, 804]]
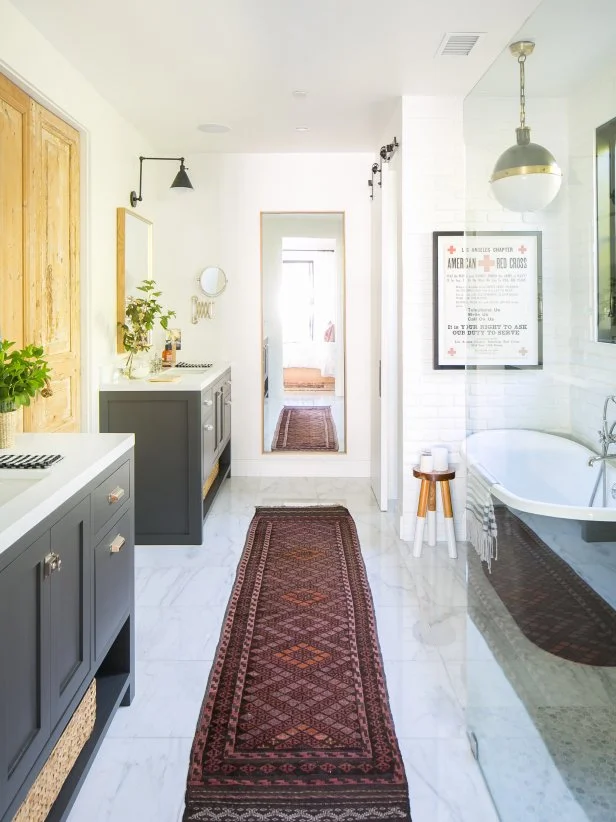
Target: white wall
[[109, 170], [432, 402], [593, 364], [219, 224]]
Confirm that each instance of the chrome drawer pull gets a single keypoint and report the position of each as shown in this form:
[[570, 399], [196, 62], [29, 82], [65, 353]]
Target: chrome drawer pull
[[209, 427], [115, 495], [52, 563], [117, 544], [208, 402]]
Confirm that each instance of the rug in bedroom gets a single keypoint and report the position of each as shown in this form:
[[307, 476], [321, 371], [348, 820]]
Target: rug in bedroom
[[295, 725], [305, 428]]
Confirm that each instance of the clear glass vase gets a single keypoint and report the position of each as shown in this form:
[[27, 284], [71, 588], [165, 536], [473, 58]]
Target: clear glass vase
[[137, 365]]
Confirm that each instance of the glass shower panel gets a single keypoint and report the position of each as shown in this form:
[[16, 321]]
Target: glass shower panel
[[541, 622]]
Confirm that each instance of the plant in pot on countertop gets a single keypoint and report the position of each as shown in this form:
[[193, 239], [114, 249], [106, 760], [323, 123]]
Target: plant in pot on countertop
[[142, 314], [23, 374]]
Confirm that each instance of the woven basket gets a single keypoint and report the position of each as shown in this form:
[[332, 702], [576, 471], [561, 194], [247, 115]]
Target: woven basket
[[210, 480], [8, 422], [44, 792]]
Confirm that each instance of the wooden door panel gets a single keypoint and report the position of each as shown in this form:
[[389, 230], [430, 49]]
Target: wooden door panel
[[57, 413], [14, 158], [52, 314]]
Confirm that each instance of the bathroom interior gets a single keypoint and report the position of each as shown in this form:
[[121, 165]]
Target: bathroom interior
[[527, 633]]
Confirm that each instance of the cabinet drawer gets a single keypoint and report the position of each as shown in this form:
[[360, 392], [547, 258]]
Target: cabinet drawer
[[113, 578], [110, 495]]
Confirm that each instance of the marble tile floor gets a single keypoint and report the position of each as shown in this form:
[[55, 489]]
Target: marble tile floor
[[140, 772]]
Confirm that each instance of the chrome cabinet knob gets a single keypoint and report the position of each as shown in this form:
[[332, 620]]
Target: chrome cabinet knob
[[51, 563], [209, 427], [207, 402]]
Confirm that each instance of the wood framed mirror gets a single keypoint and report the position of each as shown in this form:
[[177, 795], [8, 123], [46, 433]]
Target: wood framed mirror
[[303, 332], [134, 259]]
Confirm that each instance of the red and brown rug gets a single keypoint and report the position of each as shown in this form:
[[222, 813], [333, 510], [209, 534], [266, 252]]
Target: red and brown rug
[[305, 428], [295, 725], [552, 606]]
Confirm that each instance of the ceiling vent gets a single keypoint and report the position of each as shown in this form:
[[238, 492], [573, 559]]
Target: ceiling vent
[[458, 44]]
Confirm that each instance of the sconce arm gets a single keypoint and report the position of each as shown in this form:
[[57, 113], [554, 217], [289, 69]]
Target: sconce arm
[[137, 198]]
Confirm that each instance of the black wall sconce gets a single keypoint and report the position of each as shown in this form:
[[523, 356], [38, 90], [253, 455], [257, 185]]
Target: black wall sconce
[[181, 178], [376, 169], [386, 153]]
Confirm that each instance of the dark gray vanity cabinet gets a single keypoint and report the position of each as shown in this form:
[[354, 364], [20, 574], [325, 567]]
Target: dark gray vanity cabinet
[[179, 435], [58, 584], [70, 605], [25, 690]]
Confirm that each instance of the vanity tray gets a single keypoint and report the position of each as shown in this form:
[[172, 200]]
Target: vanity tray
[[28, 460]]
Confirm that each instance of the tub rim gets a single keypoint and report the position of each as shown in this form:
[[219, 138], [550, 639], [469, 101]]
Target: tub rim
[[525, 504]]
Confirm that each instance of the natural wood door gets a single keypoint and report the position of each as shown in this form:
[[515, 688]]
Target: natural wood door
[[14, 135], [51, 281]]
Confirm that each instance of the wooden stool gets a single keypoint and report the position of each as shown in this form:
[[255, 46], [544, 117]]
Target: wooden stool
[[427, 504]]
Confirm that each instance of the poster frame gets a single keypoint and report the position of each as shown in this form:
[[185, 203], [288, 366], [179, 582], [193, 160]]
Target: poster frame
[[439, 310]]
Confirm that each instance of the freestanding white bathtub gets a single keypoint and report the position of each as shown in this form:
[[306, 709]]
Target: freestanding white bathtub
[[540, 473]]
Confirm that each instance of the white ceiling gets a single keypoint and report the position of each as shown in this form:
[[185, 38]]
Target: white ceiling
[[573, 38], [169, 65]]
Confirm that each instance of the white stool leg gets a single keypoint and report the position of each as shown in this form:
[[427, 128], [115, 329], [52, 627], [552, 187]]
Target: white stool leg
[[448, 511], [421, 518], [432, 515]]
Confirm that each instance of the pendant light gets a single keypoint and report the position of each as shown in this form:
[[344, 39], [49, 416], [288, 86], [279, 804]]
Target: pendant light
[[526, 176]]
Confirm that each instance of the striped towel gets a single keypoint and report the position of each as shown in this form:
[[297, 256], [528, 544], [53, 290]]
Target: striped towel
[[481, 522]]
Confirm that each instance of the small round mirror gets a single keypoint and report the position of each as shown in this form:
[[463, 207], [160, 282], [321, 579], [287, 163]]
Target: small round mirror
[[212, 281]]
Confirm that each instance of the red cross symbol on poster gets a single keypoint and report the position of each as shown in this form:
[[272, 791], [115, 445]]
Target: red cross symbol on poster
[[522, 249], [487, 263], [452, 352], [452, 249]]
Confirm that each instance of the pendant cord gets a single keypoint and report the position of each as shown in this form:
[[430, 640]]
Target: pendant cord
[[521, 61]]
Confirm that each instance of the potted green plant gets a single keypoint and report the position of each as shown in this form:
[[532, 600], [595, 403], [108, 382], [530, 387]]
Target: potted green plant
[[23, 374], [142, 314]]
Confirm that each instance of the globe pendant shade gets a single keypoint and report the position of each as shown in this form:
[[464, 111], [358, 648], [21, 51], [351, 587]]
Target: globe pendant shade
[[526, 176]]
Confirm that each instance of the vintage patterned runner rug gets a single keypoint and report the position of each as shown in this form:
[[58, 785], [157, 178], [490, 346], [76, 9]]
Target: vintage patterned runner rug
[[305, 428], [295, 725]]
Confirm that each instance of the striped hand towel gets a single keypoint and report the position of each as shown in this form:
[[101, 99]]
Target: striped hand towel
[[481, 522]]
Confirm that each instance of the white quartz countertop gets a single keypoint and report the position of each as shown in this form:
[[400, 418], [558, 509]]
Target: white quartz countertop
[[27, 496], [189, 380]]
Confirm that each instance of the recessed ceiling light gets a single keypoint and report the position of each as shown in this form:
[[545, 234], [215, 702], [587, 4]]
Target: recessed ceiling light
[[302, 128], [213, 128], [300, 92]]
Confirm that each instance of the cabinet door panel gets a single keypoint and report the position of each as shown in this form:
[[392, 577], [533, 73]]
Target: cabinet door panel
[[24, 668], [208, 434], [70, 607], [113, 581]]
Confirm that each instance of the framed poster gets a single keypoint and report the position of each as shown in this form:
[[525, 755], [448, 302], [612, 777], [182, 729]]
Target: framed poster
[[487, 299]]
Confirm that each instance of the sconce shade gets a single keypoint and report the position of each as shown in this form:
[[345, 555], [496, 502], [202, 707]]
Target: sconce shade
[[181, 179], [526, 176]]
